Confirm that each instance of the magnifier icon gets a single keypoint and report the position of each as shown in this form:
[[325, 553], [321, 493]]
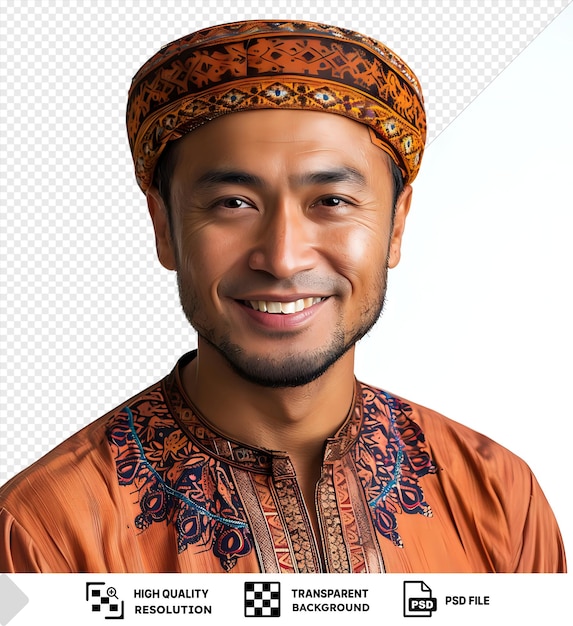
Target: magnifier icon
[[112, 593]]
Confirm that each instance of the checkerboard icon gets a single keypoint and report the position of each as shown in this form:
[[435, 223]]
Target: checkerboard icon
[[262, 599]]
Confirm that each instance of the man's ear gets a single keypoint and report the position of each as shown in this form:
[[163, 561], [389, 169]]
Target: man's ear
[[402, 209], [163, 240]]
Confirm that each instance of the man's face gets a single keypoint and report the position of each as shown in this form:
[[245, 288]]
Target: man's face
[[282, 236]]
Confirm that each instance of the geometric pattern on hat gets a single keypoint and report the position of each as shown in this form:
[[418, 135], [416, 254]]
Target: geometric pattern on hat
[[254, 65]]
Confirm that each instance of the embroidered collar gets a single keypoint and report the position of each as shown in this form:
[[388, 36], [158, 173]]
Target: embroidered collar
[[209, 439], [179, 464]]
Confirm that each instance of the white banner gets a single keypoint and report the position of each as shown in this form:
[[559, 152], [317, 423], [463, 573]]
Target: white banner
[[334, 599]]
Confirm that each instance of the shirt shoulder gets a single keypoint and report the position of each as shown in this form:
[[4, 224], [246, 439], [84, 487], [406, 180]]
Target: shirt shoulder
[[451, 443], [66, 499], [491, 495], [67, 463]]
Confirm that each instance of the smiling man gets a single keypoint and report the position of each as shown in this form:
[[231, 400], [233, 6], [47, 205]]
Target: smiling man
[[277, 158]]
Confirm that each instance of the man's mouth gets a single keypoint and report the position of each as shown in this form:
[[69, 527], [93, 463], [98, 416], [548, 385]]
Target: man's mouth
[[286, 308]]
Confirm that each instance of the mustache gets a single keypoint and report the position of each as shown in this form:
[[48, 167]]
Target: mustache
[[310, 281]]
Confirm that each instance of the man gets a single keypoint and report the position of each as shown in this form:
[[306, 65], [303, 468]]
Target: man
[[277, 158]]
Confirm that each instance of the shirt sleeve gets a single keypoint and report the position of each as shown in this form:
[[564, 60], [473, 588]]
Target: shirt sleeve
[[541, 549], [18, 553]]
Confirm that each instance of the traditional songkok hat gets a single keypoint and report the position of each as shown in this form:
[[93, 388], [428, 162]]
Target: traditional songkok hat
[[251, 65]]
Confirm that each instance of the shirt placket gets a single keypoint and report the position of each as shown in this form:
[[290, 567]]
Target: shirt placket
[[291, 502]]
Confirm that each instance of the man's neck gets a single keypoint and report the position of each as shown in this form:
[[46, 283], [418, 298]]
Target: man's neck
[[296, 420]]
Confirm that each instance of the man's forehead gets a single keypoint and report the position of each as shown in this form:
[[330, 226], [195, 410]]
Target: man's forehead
[[315, 129], [310, 148], [258, 65]]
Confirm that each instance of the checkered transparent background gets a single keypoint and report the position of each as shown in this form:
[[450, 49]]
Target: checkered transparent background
[[88, 316]]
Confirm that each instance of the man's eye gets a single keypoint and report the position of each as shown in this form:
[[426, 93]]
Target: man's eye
[[332, 201], [233, 203]]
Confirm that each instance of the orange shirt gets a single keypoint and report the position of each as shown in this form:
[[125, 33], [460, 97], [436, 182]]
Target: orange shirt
[[152, 487]]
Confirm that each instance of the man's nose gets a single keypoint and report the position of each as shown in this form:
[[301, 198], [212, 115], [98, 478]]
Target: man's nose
[[286, 242]]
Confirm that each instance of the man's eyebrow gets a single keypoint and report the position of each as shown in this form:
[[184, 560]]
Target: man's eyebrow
[[212, 178], [215, 177], [326, 177]]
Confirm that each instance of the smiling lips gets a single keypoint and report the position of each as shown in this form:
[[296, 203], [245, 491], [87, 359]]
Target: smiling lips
[[286, 308]]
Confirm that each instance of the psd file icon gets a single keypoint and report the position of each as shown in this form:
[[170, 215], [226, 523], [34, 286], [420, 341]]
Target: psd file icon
[[418, 600]]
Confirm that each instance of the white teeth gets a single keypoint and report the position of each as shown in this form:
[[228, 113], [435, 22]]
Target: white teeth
[[284, 307]]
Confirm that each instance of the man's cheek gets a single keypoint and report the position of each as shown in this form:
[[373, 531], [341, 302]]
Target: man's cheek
[[358, 253]]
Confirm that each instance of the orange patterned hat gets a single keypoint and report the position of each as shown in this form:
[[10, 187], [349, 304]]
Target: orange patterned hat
[[257, 64]]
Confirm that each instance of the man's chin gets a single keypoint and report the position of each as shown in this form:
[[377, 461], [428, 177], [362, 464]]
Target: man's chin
[[291, 370]]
